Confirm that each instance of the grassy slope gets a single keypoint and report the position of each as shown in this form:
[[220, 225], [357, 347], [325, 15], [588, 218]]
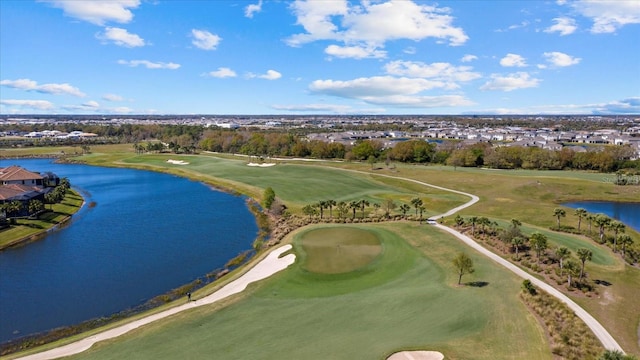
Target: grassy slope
[[405, 299]]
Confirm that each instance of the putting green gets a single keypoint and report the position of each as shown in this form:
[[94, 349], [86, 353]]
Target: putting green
[[339, 249]]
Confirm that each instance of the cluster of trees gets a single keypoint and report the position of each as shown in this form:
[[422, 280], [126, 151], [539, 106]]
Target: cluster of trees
[[514, 240], [343, 208], [617, 238], [603, 159]]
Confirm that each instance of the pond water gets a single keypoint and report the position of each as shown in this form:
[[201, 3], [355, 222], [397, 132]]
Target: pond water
[[628, 213], [148, 233]]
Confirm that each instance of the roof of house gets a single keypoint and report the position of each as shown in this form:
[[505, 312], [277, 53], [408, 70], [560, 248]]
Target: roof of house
[[14, 173], [18, 192]]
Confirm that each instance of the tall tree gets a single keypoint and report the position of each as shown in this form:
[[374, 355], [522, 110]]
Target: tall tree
[[330, 204], [602, 221], [363, 204], [322, 204], [617, 227], [268, 197], [343, 209], [580, 213], [463, 265], [625, 240], [558, 213], [584, 255], [590, 217], [473, 220], [404, 208], [416, 204], [517, 242], [354, 205], [309, 210], [561, 254], [539, 243], [572, 269], [389, 205]]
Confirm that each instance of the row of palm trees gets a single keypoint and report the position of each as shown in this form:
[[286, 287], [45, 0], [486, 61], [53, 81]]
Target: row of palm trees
[[602, 222], [343, 208]]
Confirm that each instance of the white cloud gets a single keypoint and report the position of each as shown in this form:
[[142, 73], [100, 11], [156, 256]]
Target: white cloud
[[98, 12], [563, 25], [88, 106], [371, 24], [30, 85], [119, 110], [558, 59], [30, 104], [149, 64], [468, 58], [112, 97], [625, 106], [222, 72], [608, 16], [120, 37], [205, 40], [354, 52], [513, 60], [341, 109], [410, 50], [519, 80], [252, 9], [444, 72], [271, 75], [420, 101]]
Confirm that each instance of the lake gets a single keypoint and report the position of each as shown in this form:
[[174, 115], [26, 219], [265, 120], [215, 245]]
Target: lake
[[148, 233], [628, 213]]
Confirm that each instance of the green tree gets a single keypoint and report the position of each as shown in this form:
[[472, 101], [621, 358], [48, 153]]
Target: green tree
[[517, 242], [35, 206], [561, 254], [580, 213], [590, 218], [484, 222], [617, 227], [539, 243], [584, 255], [309, 210], [416, 204], [463, 265], [473, 220], [404, 208], [389, 205], [558, 213], [572, 268], [354, 205], [343, 209], [50, 198], [268, 197], [363, 204], [321, 205], [625, 240], [616, 355], [330, 204], [602, 221], [459, 220], [527, 286]]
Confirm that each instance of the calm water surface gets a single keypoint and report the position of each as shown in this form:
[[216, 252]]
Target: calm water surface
[[628, 213], [147, 234]]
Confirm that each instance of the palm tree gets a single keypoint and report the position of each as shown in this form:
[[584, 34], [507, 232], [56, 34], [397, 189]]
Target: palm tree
[[515, 223], [421, 209], [35, 206], [590, 217], [363, 203], [354, 205], [580, 213], [473, 220], [625, 240], [330, 204], [602, 221], [517, 242], [416, 204], [483, 222], [617, 227], [561, 254], [404, 208], [50, 198], [321, 205], [572, 268], [539, 243], [584, 255], [558, 213]]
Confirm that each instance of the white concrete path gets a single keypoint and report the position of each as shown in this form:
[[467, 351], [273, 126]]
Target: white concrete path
[[270, 265]]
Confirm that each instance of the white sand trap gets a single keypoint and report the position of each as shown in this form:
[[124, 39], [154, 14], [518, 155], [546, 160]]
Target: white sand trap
[[416, 355], [177, 162], [261, 165], [270, 265]]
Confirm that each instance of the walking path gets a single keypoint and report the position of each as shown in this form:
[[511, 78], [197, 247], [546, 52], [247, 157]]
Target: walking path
[[270, 265], [601, 333]]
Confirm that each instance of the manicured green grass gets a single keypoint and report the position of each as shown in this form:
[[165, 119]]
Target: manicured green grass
[[407, 301], [339, 250]]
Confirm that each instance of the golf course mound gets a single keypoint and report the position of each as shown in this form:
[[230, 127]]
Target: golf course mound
[[338, 250]]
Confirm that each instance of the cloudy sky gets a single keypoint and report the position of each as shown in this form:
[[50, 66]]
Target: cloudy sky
[[319, 57]]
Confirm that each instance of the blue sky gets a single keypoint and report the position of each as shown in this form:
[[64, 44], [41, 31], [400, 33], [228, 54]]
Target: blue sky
[[319, 57]]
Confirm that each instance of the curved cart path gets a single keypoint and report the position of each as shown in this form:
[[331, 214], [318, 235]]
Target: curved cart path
[[270, 265], [601, 333]]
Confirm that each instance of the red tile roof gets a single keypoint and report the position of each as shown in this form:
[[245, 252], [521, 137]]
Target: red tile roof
[[15, 173]]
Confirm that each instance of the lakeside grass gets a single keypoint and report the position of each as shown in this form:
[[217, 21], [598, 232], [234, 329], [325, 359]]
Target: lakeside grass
[[27, 229], [529, 196], [407, 299]]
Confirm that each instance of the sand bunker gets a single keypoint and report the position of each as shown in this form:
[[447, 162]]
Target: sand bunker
[[416, 355], [261, 165], [177, 162]]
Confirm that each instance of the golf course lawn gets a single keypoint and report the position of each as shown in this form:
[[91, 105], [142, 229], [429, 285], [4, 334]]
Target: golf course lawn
[[403, 298]]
